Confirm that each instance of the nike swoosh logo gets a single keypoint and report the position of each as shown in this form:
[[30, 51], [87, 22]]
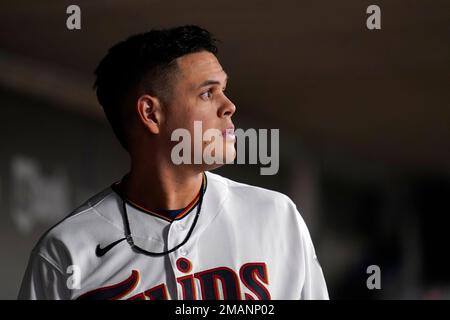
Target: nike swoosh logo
[[100, 252]]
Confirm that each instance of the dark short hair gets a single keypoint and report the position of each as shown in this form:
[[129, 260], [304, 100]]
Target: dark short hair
[[145, 57]]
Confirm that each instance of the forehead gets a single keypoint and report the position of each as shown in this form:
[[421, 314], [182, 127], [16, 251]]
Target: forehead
[[201, 66]]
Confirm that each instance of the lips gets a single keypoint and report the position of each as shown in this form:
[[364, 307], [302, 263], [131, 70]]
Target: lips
[[229, 134]]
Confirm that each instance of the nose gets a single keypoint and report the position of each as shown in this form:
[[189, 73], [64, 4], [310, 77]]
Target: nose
[[227, 108]]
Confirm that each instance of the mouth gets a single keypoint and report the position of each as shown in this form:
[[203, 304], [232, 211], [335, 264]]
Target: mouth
[[228, 134]]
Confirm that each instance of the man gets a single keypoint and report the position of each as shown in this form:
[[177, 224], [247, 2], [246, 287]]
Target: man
[[166, 230]]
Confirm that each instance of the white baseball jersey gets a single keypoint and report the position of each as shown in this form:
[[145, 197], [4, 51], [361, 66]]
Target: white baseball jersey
[[248, 243]]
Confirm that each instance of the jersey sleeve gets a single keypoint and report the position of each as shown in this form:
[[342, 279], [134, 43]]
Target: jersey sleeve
[[43, 280], [314, 286]]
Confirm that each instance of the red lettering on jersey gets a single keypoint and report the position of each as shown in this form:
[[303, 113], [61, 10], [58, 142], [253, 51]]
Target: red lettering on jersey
[[139, 296], [157, 293], [255, 277], [187, 287], [210, 280], [115, 291], [216, 283]]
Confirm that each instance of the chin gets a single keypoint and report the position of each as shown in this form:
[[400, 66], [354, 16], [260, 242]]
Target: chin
[[227, 156], [230, 153]]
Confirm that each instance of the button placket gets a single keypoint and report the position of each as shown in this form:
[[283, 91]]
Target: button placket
[[174, 235], [186, 252]]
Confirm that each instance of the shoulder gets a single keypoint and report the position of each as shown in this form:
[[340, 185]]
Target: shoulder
[[79, 226], [260, 209], [253, 196]]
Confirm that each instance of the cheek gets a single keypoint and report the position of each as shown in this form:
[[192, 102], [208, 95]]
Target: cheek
[[207, 115], [185, 113], [177, 118]]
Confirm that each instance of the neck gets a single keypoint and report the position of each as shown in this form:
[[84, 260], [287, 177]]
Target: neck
[[161, 187]]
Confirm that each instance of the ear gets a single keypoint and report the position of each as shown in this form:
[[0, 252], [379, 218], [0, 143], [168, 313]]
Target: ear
[[149, 112]]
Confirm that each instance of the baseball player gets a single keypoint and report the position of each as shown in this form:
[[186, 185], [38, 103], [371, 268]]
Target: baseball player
[[166, 230]]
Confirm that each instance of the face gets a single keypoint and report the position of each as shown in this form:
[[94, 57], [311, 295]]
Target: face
[[199, 95]]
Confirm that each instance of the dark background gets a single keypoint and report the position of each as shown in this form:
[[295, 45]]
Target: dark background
[[364, 119]]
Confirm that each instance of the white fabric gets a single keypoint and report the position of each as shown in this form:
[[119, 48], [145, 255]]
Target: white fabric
[[239, 225]]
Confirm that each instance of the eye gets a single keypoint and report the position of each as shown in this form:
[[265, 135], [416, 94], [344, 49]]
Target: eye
[[206, 95]]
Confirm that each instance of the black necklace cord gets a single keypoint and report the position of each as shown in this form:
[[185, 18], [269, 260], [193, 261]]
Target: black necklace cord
[[130, 240]]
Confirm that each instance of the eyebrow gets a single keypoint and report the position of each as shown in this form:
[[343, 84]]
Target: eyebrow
[[210, 82]]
